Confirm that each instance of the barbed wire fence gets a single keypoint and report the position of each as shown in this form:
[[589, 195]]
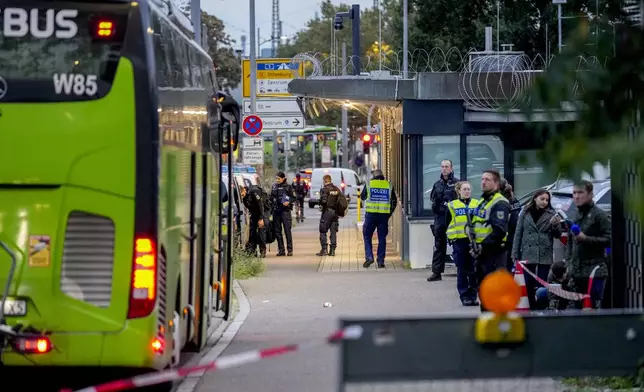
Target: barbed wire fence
[[486, 80]]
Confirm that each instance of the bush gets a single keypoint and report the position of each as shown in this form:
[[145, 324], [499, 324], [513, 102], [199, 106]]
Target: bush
[[610, 383], [246, 266]]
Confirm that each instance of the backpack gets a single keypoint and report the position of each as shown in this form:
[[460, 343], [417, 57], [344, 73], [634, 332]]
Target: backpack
[[342, 207]]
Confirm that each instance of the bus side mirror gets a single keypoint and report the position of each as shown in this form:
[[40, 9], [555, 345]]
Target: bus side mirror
[[211, 131], [230, 122]]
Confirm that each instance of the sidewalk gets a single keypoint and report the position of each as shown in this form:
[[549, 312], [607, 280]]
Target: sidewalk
[[287, 306], [349, 254]]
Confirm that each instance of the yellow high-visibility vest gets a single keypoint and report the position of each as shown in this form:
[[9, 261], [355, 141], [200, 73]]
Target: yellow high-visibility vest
[[378, 197], [459, 212], [481, 217]]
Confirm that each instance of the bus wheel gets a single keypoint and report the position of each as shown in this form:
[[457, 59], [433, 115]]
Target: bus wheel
[[176, 339]]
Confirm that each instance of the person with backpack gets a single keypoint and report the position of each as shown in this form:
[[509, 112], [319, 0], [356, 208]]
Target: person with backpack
[[332, 201], [254, 200], [380, 203]]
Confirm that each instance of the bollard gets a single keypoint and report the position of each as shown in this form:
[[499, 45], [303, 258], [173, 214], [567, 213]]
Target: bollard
[[359, 202]]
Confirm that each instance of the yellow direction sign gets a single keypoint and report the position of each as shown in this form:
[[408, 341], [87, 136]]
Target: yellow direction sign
[[273, 76]]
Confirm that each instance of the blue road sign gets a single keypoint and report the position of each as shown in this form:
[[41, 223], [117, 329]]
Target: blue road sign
[[277, 66], [252, 125]]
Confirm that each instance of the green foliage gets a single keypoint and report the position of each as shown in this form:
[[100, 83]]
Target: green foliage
[[246, 266], [607, 94], [227, 63], [611, 383]]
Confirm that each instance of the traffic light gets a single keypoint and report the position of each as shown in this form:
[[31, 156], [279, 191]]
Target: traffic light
[[366, 143]]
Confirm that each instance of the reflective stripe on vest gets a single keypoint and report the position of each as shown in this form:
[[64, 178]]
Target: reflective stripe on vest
[[378, 197], [481, 217], [459, 212]]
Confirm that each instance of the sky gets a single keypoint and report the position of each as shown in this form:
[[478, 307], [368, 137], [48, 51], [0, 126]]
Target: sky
[[294, 15]]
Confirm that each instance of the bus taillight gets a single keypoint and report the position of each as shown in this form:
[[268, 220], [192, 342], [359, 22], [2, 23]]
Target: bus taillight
[[36, 345], [143, 291]]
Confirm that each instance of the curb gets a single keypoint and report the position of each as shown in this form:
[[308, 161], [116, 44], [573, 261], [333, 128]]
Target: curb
[[219, 340]]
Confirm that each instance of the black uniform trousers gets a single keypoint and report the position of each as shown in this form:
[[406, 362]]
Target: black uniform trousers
[[488, 263], [329, 222], [283, 219], [440, 245], [255, 239]]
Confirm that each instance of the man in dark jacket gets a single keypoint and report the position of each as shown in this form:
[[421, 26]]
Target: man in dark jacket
[[588, 237], [329, 195], [515, 209], [300, 188], [255, 205], [442, 193], [283, 199]]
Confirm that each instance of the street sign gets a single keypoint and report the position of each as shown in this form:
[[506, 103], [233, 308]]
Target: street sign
[[559, 1], [253, 143], [284, 122], [273, 106], [252, 125], [253, 157], [273, 76]]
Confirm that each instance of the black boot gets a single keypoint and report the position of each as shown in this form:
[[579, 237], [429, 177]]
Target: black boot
[[322, 252], [332, 251]]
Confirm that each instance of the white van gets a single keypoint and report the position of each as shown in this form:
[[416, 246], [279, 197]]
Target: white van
[[345, 179]]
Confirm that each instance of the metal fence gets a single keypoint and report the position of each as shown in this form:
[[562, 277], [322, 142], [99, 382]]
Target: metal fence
[[441, 354]]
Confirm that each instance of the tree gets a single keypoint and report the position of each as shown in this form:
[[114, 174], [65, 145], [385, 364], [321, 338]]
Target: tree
[[227, 62], [608, 97]]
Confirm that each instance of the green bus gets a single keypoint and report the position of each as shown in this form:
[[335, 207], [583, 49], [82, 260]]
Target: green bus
[[111, 126]]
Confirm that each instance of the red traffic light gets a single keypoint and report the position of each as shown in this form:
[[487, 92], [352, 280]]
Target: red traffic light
[[366, 138]]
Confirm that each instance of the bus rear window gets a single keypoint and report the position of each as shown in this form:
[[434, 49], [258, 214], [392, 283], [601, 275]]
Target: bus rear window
[[59, 51]]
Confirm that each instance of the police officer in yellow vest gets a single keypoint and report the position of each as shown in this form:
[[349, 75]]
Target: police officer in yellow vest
[[459, 214], [380, 202], [490, 221]]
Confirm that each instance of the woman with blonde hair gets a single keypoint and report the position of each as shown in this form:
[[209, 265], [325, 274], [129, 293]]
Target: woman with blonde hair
[[458, 218]]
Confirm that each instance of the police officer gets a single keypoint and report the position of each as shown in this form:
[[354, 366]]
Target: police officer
[[380, 203], [329, 195], [458, 218], [283, 199], [490, 221], [300, 188], [515, 209], [442, 193], [255, 205]]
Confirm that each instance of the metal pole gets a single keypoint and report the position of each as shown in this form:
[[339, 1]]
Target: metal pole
[[345, 119], [559, 27], [405, 39], [253, 60], [259, 44], [287, 148], [195, 15], [379, 37], [337, 145], [498, 26], [355, 29], [313, 149]]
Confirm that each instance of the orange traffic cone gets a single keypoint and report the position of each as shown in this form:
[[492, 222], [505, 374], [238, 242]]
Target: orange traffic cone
[[524, 304]]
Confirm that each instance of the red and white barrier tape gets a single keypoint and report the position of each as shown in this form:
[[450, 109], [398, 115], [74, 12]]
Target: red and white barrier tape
[[351, 332], [557, 290]]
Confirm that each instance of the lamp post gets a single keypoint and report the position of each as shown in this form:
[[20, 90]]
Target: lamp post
[[354, 15]]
